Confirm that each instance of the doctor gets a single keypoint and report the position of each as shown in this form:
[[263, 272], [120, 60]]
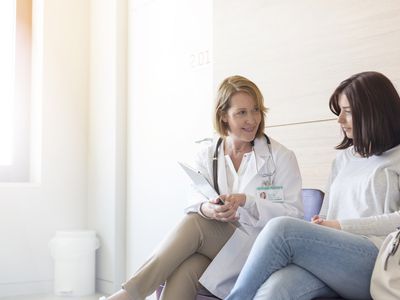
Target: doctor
[[243, 164]]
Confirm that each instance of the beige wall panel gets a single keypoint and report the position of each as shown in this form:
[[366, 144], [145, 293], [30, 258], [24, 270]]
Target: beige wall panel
[[313, 144], [299, 51]]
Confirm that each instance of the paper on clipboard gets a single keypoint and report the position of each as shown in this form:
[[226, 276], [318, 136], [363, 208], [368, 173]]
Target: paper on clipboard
[[204, 187], [200, 182]]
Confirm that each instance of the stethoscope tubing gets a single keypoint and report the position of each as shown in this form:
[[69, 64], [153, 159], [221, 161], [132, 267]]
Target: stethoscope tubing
[[215, 162]]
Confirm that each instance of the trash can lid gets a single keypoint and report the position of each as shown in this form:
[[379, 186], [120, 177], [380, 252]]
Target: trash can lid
[[75, 234]]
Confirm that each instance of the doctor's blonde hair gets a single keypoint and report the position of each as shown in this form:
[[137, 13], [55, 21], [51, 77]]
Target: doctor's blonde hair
[[229, 87]]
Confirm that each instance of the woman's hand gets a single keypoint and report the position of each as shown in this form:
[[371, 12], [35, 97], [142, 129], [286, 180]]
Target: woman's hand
[[223, 212], [236, 199], [328, 223]]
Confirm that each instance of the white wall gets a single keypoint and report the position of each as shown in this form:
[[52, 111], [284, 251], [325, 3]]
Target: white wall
[[298, 52], [170, 104], [31, 213], [107, 139], [79, 145]]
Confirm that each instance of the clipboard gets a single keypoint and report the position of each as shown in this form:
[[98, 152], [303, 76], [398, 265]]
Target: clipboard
[[200, 182], [205, 188]]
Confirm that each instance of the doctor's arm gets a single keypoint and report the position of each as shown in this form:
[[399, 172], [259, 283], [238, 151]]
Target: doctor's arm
[[211, 209]]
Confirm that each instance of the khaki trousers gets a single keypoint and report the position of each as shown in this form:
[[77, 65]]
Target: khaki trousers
[[181, 259]]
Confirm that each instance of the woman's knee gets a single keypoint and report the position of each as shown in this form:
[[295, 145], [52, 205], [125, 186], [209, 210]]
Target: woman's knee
[[280, 227], [195, 218], [191, 221], [195, 221], [192, 217], [279, 224]]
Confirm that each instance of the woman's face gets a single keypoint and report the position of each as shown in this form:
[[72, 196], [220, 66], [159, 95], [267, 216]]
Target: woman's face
[[243, 117], [345, 118]]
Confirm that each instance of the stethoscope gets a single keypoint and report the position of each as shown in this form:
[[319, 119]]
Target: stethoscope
[[270, 165]]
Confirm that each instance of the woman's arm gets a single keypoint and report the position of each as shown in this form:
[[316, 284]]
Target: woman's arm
[[376, 225]]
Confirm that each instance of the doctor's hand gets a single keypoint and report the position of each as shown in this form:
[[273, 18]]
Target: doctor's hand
[[328, 223], [235, 199], [225, 212]]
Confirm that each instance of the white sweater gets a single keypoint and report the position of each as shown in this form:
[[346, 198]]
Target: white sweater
[[364, 193]]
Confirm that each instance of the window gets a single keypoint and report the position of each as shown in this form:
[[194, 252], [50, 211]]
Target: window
[[7, 61], [15, 87]]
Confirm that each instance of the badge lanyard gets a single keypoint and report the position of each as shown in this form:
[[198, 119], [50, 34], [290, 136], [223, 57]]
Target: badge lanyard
[[267, 177]]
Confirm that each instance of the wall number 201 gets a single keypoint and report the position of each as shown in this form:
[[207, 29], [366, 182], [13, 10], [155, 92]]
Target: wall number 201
[[200, 59]]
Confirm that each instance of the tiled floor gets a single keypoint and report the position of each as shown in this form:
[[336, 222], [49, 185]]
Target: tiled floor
[[51, 297]]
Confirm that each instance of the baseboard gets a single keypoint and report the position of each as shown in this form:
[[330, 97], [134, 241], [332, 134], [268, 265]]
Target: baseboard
[[45, 287], [25, 288]]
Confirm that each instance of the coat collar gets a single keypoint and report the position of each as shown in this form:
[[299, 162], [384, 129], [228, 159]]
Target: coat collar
[[258, 161]]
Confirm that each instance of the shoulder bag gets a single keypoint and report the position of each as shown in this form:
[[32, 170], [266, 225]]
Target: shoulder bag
[[385, 281]]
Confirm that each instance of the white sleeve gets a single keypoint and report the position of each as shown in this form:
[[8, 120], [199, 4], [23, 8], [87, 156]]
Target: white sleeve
[[376, 225], [195, 199], [389, 218]]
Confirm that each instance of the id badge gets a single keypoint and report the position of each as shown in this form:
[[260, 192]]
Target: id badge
[[272, 193]]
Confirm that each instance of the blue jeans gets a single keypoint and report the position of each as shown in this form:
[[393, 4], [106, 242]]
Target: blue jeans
[[300, 260]]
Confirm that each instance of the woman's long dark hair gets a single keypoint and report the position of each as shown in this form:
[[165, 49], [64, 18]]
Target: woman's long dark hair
[[375, 107]]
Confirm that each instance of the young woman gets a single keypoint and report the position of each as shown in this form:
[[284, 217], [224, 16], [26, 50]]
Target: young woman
[[207, 246], [335, 254]]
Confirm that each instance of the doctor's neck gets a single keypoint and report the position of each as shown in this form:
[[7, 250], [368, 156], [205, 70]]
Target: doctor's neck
[[237, 146]]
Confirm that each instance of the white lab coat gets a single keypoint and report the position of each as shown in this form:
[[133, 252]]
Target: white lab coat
[[222, 272]]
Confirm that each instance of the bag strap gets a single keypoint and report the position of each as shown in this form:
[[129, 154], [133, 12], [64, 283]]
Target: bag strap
[[395, 242]]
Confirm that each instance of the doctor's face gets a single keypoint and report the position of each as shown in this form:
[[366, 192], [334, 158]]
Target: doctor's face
[[243, 117]]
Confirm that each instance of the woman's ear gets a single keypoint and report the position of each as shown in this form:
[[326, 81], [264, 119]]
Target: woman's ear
[[224, 117]]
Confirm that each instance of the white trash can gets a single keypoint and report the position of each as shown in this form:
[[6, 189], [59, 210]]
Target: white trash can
[[74, 262]]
